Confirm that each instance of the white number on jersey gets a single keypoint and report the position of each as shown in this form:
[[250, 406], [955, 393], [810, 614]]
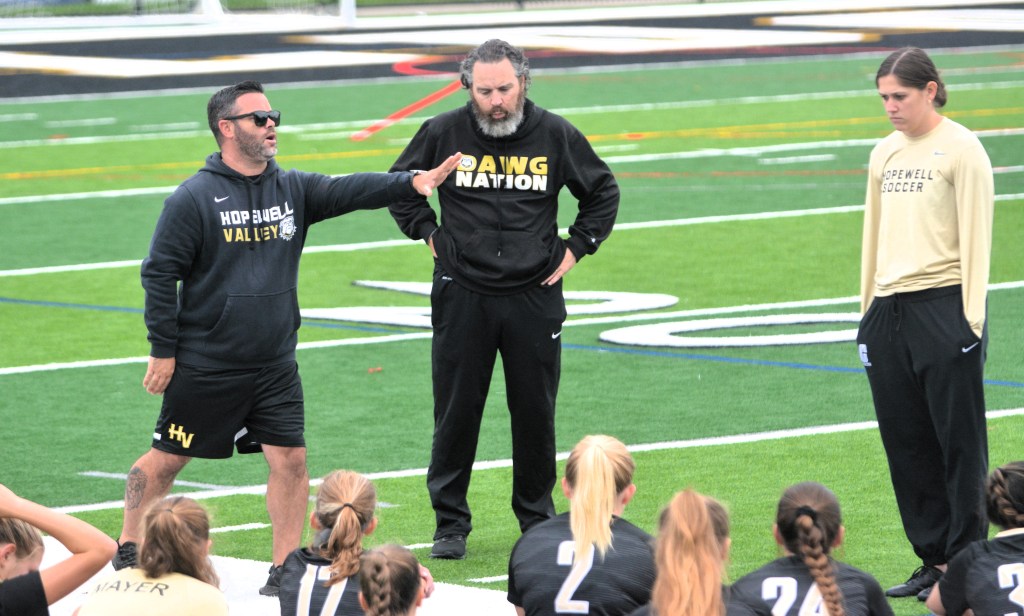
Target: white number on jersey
[[318, 575], [783, 591], [1012, 576], [564, 603]]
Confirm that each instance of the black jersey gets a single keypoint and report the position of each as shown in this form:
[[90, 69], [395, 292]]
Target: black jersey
[[23, 595], [303, 592], [544, 580], [785, 587], [987, 577]]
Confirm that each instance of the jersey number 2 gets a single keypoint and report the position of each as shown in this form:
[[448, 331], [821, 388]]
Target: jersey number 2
[[1012, 576], [564, 603], [784, 591]]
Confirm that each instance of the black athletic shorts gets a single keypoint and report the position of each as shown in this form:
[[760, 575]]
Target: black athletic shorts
[[207, 411]]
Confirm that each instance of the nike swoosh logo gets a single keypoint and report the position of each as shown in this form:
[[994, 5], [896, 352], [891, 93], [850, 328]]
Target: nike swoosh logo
[[555, 336], [219, 199], [968, 349]]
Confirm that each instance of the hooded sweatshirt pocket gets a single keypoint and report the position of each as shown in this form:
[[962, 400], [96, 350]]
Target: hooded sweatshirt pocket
[[503, 255], [255, 327]]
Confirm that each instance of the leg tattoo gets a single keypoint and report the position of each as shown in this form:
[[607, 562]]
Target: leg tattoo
[[136, 488]]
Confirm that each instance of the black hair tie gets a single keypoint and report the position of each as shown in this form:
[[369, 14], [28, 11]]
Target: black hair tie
[[807, 511]]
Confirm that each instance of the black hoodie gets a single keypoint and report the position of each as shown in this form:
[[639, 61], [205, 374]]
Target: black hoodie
[[234, 244], [499, 227]]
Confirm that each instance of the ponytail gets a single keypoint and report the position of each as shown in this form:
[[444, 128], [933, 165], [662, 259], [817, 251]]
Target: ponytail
[[176, 532], [690, 555], [598, 470], [344, 504]]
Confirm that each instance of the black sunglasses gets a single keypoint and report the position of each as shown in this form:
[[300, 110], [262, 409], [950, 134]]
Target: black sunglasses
[[259, 118]]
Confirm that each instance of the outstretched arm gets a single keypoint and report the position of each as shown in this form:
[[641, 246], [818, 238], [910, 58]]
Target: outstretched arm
[[90, 548], [427, 181]]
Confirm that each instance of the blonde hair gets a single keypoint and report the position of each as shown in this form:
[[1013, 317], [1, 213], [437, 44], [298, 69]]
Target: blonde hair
[[598, 470], [690, 557], [809, 521], [26, 539], [345, 504], [389, 579], [176, 532]]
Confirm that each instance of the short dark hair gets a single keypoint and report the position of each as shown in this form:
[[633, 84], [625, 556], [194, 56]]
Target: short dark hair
[[223, 102], [914, 69], [495, 50]]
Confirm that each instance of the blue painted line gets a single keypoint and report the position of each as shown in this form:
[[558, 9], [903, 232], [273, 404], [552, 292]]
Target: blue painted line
[[32, 302], [741, 360], [578, 347], [1004, 383], [714, 358], [305, 323]]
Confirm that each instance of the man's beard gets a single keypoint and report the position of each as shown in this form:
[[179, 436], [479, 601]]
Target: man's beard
[[503, 127], [252, 147]]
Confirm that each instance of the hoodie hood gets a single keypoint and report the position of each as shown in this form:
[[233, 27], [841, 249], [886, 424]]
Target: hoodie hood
[[215, 164]]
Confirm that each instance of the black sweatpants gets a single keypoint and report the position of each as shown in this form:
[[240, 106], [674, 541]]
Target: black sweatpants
[[470, 329], [925, 366]]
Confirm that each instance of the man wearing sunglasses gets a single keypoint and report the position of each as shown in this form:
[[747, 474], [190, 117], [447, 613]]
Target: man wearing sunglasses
[[222, 311]]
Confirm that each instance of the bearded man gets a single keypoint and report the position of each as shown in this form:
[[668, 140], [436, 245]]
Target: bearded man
[[498, 268]]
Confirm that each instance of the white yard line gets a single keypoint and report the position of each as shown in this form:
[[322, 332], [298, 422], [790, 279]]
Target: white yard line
[[628, 226], [802, 97], [320, 344], [716, 441], [124, 477]]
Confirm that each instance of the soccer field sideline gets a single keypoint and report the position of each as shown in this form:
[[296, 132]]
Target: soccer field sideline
[[241, 577]]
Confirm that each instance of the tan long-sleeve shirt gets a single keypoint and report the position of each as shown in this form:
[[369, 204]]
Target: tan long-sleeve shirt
[[928, 217]]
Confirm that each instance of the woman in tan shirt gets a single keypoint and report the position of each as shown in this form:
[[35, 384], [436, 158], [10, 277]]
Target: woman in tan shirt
[[922, 339]]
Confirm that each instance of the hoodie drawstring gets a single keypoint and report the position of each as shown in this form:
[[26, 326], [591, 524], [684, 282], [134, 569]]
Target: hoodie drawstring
[[252, 223]]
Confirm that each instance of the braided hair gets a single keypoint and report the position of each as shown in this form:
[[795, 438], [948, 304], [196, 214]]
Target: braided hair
[[809, 522], [389, 581], [1005, 495]]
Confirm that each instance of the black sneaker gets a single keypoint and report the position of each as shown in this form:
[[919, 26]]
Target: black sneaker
[[273, 585], [923, 578], [924, 594], [127, 555], [449, 547]]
